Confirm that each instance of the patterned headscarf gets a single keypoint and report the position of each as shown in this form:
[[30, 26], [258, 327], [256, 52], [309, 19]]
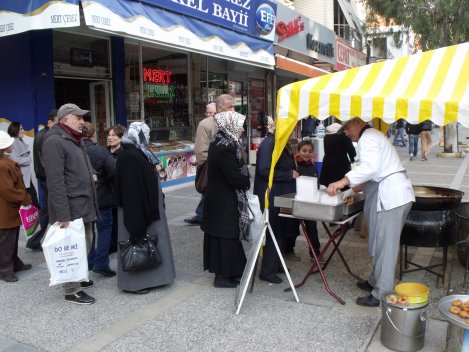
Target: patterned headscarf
[[270, 125], [138, 134], [230, 124]]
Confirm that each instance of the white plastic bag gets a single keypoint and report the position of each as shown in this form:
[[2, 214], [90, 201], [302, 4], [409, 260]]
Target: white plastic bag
[[255, 217], [65, 252]]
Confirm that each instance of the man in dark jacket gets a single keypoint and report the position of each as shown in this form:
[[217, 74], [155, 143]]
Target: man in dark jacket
[[34, 242], [69, 177], [413, 132]]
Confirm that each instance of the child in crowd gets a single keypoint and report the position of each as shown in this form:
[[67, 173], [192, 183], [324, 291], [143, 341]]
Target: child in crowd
[[305, 167]]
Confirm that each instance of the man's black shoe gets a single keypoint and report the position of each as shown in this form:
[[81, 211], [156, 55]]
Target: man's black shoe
[[24, 268], [273, 279], [365, 286], [86, 284], [105, 272], [224, 282], [367, 301], [193, 221], [80, 297]]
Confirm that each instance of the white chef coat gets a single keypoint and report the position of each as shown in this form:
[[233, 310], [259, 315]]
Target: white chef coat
[[378, 161]]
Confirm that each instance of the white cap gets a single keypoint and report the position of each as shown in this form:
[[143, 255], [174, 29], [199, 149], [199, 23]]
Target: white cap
[[5, 140]]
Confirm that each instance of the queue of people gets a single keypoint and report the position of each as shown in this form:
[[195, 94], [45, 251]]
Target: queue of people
[[117, 190]]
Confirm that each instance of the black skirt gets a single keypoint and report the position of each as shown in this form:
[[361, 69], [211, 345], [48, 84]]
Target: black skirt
[[224, 257]]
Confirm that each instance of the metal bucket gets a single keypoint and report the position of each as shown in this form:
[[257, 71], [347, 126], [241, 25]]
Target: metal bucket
[[403, 327]]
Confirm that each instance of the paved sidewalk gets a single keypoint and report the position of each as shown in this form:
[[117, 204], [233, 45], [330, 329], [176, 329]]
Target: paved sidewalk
[[192, 315]]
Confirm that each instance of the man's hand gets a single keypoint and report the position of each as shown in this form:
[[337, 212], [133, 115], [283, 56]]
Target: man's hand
[[295, 174], [63, 224], [335, 187]]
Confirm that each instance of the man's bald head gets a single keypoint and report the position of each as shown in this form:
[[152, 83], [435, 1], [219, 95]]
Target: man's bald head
[[225, 102]]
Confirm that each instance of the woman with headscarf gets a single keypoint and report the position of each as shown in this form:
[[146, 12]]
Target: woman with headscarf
[[339, 153], [12, 196], [141, 209], [22, 156], [226, 218]]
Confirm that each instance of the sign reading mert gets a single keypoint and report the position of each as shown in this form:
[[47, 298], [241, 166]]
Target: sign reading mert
[[302, 35], [252, 17]]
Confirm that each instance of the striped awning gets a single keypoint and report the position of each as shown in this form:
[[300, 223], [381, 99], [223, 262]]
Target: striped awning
[[431, 85]]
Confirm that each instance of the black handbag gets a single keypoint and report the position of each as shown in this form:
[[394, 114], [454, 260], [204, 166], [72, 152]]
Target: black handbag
[[139, 255], [201, 178]]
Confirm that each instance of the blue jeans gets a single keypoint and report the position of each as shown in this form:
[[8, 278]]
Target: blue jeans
[[413, 144], [199, 211], [98, 256], [399, 135]]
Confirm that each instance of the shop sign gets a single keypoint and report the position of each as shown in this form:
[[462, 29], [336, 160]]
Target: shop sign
[[348, 57], [289, 29], [304, 36], [326, 49], [252, 17], [156, 76], [160, 91], [21, 16]]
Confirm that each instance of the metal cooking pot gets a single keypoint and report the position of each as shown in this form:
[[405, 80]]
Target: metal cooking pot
[[435, 198], [430, 228]]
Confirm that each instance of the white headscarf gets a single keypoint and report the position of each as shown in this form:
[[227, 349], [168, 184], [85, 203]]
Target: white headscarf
[[333, 128], [138, 134]]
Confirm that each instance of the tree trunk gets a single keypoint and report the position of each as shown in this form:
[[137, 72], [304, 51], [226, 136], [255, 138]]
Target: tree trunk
[[451, 138]]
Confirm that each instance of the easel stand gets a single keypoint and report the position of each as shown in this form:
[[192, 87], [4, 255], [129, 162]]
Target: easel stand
[[251, 263]]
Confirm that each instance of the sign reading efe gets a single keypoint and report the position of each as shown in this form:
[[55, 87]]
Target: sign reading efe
[[252, 17]]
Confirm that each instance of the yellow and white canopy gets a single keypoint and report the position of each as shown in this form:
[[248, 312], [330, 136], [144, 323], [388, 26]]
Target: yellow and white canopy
[[431, 85]]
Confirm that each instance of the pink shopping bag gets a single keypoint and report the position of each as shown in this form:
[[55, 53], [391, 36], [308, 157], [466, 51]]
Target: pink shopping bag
[[30, 219]]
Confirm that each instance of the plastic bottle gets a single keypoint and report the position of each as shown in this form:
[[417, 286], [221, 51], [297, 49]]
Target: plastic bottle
[[320, 130]]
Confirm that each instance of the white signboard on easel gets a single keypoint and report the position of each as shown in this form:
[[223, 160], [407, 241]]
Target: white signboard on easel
[[251, 263]]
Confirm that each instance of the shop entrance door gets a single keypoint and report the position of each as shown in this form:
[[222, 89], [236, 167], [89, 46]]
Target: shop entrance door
[[100, 109]]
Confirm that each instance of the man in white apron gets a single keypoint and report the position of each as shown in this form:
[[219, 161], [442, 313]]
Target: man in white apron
[[388, 199]]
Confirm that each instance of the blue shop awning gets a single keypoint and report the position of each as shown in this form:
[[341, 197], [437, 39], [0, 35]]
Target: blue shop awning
[[17, 16], [140, 20]]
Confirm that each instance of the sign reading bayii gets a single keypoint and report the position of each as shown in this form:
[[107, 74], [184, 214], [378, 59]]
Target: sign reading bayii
[[252, 17]]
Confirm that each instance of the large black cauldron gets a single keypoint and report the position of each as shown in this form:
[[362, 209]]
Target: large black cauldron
[[436, 228], [432, 222]]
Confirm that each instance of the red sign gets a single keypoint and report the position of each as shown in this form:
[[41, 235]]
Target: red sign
[[156, 76], [348, 57], [286, 30]]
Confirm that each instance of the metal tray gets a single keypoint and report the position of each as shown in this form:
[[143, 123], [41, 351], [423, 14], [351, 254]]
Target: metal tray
[[445, 303], [318, 211]]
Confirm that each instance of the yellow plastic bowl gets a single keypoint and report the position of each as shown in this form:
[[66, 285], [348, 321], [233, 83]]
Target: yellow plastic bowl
[[416, 292]]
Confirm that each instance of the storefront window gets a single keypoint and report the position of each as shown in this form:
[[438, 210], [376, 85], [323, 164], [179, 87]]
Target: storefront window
[[81, 56], [132, 82]]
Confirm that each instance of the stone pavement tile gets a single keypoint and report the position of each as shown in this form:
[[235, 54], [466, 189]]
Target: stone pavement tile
[[6, 343], [19, 347], [264, 324]]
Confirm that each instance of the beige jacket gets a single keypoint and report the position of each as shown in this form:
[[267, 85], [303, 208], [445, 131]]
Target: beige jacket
[[205, 132]]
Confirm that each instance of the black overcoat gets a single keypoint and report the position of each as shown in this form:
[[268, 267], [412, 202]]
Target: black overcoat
[[221, 215], [338, 152]]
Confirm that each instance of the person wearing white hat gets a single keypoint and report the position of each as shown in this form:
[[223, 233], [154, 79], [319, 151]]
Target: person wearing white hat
[[12, 195], [339, 153]]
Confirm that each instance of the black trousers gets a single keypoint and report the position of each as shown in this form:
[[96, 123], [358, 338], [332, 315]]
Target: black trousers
[[9, 261], [34, 242]]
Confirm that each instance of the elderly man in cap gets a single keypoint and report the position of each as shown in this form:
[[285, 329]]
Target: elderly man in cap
[[69, 177], [388, 199]]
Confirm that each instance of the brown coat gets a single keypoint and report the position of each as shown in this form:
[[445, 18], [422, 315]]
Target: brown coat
[[12, 193]]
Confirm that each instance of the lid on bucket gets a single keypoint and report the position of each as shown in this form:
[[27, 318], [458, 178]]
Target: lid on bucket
[[394, 299], [415, 292]]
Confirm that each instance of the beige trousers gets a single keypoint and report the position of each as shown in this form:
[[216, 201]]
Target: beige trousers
[[426, 142]]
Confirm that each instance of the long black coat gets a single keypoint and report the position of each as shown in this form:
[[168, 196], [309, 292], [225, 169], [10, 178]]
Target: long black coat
[[283, 183], [221, 215], [338, 149]]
